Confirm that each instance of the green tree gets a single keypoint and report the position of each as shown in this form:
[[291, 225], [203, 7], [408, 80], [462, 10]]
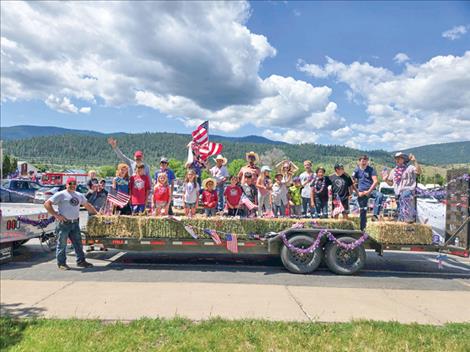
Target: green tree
[[234, 166], [6, 166], [178, 167], [107, 171]]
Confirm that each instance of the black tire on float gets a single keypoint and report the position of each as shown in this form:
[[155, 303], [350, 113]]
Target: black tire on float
[[301, 264], [18, 244], [343, 262]]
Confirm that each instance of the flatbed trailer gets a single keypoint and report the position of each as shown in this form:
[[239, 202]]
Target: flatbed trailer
[[338, 260], [16, 226]]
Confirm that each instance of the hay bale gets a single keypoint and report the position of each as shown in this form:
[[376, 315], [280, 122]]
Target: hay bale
[[148, 227], [390, 232]]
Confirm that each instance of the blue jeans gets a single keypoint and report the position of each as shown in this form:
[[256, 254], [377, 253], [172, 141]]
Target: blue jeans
[[364, 200], [306, 207], [72, 231], [279, 210], [138, 208], [220, 193], [321, 207]]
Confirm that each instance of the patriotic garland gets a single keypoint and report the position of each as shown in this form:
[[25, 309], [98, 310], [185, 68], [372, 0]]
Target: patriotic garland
[[316, 243], [323, 232], [39, 223]]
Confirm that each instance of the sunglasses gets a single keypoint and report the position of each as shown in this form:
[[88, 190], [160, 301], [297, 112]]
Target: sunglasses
[[72, 183]]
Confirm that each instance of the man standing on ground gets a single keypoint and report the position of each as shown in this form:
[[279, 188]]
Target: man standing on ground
[[220, 173], [164, 169], [67, 218], [306, 179], [138, 158], [366, 180]]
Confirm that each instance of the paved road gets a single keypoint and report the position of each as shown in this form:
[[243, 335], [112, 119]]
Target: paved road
[[395, 270]]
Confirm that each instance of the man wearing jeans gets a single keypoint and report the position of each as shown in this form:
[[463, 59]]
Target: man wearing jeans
[[68, 202], [366, 178]]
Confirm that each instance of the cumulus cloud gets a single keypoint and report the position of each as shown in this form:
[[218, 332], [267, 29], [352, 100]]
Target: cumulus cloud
[[426, 103], [189, 60], [401, 58], [291, 136], [85, 110], [64, 105], [455, 32]]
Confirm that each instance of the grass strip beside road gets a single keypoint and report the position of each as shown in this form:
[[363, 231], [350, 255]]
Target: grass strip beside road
[[224, 335]]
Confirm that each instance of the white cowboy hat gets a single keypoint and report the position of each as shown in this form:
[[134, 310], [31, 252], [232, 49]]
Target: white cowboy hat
[[252, 154], [220, 157], [204, 183]]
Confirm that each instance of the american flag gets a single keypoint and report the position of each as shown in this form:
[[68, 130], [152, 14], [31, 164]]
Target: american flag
[[232, 243], [118, 198], [201, 142], [248, 203], [189, 229], [337, 207], [215, 237]]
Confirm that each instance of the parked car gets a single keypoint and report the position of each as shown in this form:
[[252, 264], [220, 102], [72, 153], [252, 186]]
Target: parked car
[[18, 191], [45, 193]]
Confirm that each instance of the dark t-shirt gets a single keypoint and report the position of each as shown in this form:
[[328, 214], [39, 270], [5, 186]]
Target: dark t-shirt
[[321, 187], [364, 177], [340, 185], [250, 192]]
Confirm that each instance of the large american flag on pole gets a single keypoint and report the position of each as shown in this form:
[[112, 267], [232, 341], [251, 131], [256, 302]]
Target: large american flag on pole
[[118, 198], [201, 142]]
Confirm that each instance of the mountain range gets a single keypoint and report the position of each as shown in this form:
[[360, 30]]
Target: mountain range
[[47, 143]]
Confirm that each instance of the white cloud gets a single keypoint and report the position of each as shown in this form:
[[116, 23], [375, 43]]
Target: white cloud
[[296, 12], [293, 136], [61, 105], [454, 33], [85, 110], [426, 103], [341, 132], [189, 60], [401, 58]]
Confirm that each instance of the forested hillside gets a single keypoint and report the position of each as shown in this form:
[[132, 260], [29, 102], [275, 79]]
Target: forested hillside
[[94, 150], [443, 154]]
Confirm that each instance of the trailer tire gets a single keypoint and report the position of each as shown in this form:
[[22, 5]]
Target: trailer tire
[[301, 264], [18, 244], [343, 262]]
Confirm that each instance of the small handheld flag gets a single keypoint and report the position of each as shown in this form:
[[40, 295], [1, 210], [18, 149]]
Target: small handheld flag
[[232, 242]]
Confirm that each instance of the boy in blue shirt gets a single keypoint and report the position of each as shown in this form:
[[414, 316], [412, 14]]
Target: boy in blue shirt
[[366, 178]]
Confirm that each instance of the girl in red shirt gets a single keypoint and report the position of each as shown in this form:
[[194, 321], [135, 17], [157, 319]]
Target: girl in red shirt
[[233, 193], [139, 187], [161, 195], [209, 197]]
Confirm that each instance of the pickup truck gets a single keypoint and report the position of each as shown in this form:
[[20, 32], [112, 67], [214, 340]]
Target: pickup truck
[[17, 226], [18, 191]]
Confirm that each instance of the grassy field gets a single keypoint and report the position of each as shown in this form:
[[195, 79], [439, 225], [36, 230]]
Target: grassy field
[[222, 335]]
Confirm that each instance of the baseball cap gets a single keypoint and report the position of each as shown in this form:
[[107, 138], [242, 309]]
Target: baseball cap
[[265, 168], [339, 166], [163, 160], [248, 175], [138, 154], [296, 179], [70, 179]]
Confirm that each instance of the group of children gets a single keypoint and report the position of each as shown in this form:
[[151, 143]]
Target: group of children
[[259, 195]]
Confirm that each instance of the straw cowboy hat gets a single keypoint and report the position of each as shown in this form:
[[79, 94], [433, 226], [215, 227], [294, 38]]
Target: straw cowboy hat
[[204, 183], [252, 154], [220, 157]]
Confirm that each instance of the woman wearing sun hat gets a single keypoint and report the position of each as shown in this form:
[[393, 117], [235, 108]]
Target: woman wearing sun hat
[[252, 158], [220, 173]]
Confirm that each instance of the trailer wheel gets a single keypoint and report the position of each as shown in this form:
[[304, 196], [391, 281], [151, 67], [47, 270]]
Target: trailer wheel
[[344, 262], [297, 263], [18, 244]]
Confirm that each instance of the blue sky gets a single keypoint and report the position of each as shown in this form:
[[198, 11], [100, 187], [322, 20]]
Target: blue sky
[[250, 68]]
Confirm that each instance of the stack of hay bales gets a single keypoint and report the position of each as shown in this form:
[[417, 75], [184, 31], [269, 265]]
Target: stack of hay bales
[[147, 227], [392, 232], [139, 227]]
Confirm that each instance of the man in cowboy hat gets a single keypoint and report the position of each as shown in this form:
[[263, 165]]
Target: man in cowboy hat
[[403, 179], [138, 158], [251, 168], [220, 173]]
